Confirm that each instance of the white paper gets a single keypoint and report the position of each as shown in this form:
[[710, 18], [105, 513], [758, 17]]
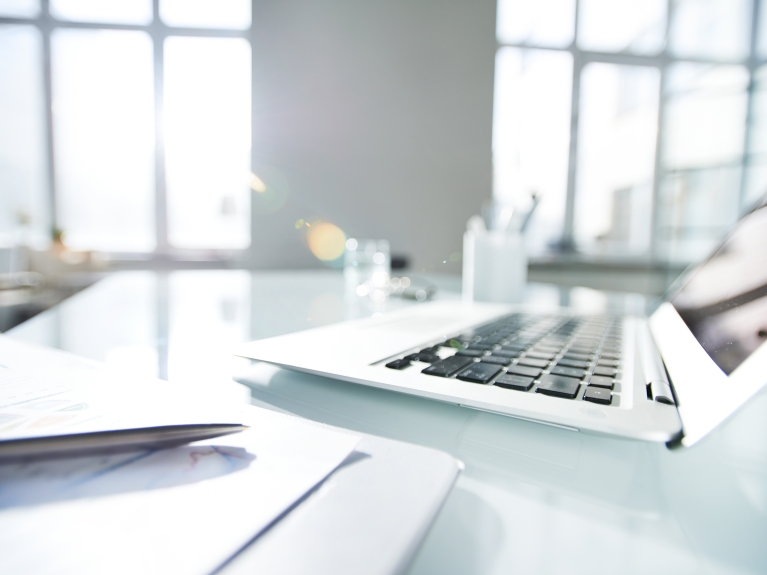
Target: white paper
[[45, 391], [184, 510]]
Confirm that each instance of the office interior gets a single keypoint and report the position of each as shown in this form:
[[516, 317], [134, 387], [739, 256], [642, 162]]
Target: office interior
[[217, 138], [207, 151]]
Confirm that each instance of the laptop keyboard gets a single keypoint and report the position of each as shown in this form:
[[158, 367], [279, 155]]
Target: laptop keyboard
[[566, 357]]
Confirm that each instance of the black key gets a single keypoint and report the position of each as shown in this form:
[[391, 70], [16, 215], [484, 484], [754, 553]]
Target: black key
[[532, 362], [454, 343], [497, 359], [547, 349], [598, 395], [586, 340], [483, 346], [448, 366], [518, 382], [578, 347], [552, 345], [398, 364], [428, 357], [431, 350], [479, 372], [411, 357], [553, 340], [559, 386], [472, 352], [609, 371], [568, 371], [577, 356], [609, 355], [526, 371], [513, 347], [583, 350], [567, 362], [541, 355], [602, 381], [605, 362], [506, 353]]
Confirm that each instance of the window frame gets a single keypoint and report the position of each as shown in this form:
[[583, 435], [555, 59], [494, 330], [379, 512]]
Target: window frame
[[158, 31], [567, 247]]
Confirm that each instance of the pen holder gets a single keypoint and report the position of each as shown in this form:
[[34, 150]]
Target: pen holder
[[494, 267]]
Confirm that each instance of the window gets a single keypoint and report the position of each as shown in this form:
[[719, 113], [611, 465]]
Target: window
[[648, 138], [126, 124]]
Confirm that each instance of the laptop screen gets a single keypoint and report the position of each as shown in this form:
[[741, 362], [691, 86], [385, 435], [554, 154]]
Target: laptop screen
[[724, 300]]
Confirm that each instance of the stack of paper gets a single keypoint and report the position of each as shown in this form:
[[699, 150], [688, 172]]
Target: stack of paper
[[182, 510]]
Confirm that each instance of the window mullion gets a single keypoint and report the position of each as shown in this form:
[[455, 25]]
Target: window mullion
[[752, 66], [568, 242], [659, 172], [157, 33], [46, 27]]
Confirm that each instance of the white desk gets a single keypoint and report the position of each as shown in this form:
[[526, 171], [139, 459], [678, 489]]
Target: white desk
[[533, 499]]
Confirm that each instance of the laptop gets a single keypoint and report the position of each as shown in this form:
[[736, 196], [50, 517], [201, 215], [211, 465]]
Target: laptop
[[672, 377]]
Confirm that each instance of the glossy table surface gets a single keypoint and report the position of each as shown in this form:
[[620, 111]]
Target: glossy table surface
[[532, 499]]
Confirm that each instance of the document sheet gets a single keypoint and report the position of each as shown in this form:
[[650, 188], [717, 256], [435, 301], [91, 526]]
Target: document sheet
[[45, 391], [185, 510]]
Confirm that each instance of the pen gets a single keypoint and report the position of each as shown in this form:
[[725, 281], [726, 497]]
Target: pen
[[159, 437], [528, 217]]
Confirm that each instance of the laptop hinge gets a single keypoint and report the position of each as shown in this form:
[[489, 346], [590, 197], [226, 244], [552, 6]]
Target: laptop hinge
[[660, 391], [658, 388]]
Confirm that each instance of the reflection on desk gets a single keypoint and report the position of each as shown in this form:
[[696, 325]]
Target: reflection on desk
[[533, 499]]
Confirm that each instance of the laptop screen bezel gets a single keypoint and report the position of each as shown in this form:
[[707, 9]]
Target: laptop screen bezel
[[706, 395]]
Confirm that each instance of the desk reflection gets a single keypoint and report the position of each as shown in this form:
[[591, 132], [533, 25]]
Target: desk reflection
[[532, 499]]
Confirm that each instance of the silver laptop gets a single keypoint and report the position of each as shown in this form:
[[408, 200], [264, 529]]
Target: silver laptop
[[671, 378]]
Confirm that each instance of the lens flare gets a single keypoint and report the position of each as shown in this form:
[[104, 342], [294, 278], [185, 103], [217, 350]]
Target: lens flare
[[271, 190], [257, 184], [326, 241]]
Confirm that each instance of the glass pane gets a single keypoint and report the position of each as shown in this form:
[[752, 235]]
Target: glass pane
[[617, 132], [104, 138], [705, 115], [716, 29], [128, 340], [635, 26], [696, 207], [230, 14], [113, 11], [756, 165], [209, 314], [539, 23], [20, 8], [531, 136], [761, 38], [24, 213], [207, 142], [702, 154]]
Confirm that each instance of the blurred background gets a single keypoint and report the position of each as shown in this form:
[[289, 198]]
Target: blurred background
[[178, 134]]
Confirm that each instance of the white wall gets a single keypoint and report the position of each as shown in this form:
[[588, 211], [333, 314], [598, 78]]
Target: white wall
[[378, 115]]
